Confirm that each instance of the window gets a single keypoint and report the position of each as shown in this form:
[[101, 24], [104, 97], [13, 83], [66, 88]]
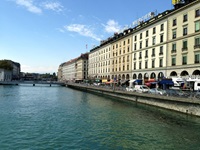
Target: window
[[173, 34], [140, 55], [161, 63], [197, 58], [184, 45], [197, 26], [146, 64], [161, 27], [161, 50], [140, 35], [127, 58], [134, 66], [154, 30], [173, 47], [127, 67], [116, 45], [124, 42], [154, 40], [161, 38], [135, 56], [153, 52], [140, 45], [136, 38], [146, 42], [147, 33], [184, 31], [140, 65], [128, 41], [146, 54], [197, 42], [184, 60], [185, 18], [153, 64], [197, 13], [173, 61], [135, 46], [174, 22], [128, 49]]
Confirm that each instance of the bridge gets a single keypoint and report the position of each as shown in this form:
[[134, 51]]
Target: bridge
[[50, 83]]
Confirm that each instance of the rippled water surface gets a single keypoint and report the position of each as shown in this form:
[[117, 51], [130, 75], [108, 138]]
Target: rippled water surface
[[44, 117]]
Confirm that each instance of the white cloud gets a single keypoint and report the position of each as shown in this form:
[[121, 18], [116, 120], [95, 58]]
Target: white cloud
[[55, 6], [112, 26], [28, 4], [82, 30]]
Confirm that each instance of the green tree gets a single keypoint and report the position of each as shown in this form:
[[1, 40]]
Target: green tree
[[6, 64]]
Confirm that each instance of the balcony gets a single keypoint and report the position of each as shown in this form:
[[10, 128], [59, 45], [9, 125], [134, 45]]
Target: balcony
[[196, 62], [173, 51], [153, 55], [196, 46], [184, 63], [184, 49], [173, 64], [146, 56], [161, 53], [140, 57]]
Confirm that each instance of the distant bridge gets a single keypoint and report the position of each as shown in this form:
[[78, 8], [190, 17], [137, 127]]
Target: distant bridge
[[50, 83]]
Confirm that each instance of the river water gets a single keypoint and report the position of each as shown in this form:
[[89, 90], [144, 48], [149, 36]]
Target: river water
[[43, 117]]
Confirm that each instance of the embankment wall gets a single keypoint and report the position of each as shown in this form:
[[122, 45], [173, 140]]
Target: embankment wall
[[183, 105]]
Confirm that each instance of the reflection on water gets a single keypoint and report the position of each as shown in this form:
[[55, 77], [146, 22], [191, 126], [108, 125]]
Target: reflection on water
[[62, 118]]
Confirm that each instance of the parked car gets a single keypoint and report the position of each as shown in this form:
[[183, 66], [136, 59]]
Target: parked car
[[157, 91], [141, 88]]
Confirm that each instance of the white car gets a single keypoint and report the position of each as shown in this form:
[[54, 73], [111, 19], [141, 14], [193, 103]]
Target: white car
[[141, 88]]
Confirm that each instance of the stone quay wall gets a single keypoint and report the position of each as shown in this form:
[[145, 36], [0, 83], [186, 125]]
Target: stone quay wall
[[183, 105]]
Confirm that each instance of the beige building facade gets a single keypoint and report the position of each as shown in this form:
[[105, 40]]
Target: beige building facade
[[121, 56], [167, 44], [81, 67], [150, 48], [100, 61], [184, 41]]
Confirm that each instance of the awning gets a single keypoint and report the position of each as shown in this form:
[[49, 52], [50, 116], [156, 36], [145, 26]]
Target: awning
[[167, 82], [104, 80]]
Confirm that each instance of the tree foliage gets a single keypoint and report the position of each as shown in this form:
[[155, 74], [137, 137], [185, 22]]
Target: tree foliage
[[5, 64]]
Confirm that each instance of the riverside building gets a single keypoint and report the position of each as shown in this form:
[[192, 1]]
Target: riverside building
[[121, 56], [163, 45], [100, 61], [150, 48], [183, 57], [75, 69]]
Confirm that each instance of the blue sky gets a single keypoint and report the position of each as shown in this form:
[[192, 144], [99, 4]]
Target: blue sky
[[42, 34]]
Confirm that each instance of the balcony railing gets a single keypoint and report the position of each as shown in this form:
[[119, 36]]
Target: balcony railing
[[153, 55], [173, 51], [196, 62], [160, 53], [196, 46], [184, 49], [173, 64]]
